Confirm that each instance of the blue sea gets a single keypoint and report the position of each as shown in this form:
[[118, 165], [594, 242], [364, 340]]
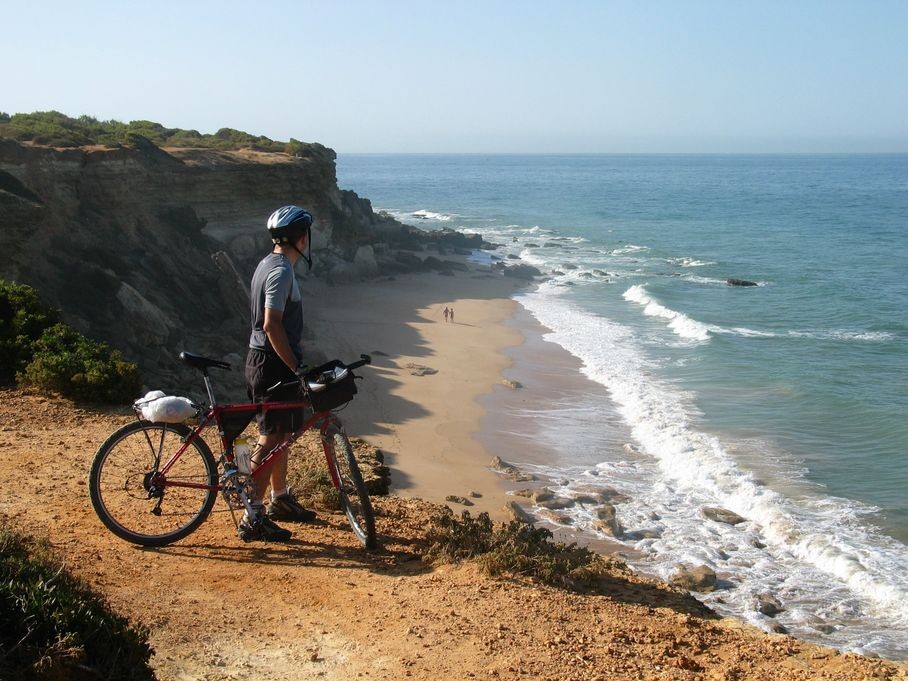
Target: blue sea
[[785, 402]]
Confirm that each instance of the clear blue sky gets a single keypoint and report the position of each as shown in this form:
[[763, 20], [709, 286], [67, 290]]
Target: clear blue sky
[[490, 76]]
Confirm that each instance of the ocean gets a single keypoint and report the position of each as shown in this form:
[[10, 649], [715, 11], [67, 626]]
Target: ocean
[[785, 402]]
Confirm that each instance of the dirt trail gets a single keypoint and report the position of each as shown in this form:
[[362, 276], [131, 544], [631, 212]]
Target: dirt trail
[[321, 608]]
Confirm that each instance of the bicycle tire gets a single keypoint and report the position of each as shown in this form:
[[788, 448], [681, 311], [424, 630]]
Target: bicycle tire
[[120, 468], [354, 496]]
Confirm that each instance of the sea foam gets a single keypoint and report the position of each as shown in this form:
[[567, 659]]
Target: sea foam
[[678, 322], [817, 552]]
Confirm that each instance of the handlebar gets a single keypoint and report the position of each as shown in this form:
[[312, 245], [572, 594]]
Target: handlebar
[[314, 374]]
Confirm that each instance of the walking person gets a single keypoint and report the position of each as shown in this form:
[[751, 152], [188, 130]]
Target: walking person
[[275, 354], [451, 314], [446, 313]]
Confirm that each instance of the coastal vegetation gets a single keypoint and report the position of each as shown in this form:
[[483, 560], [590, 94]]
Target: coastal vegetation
[[39, 352], [53, 626], [514, 548], [54, 129]]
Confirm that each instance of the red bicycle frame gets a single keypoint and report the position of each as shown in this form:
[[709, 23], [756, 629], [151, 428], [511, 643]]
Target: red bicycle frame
[[213, 416]]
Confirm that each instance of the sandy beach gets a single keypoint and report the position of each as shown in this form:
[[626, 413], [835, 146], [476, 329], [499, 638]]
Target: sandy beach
[[419, 401]]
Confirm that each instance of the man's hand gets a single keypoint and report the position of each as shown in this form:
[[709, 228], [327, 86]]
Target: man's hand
[[302, 370]]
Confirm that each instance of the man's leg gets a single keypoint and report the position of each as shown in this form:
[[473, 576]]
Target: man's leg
[[266, 444], [284, 505]]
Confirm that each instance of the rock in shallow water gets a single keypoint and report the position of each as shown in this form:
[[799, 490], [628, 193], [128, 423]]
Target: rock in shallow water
[[701, 578], [722, 515]]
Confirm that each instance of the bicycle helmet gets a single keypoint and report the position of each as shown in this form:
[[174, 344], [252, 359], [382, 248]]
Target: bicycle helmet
[[286, 225]]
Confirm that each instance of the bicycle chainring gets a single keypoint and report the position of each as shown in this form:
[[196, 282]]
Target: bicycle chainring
[[233, 487]]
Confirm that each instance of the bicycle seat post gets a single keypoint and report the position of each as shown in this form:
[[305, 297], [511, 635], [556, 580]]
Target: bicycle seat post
[[208, 387]]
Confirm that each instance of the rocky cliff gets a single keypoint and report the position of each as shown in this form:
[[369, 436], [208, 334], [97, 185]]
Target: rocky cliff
[[152, 249]]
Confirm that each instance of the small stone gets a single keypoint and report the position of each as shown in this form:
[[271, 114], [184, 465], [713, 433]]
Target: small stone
[[722, 515]]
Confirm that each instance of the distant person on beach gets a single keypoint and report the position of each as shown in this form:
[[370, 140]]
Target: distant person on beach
[[451, 313], [446, 313], [275, 354]]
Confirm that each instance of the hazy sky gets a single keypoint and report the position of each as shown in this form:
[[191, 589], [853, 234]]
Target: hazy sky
[[490, 76]]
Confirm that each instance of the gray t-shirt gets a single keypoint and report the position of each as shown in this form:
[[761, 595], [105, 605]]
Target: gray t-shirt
[[274, 286]]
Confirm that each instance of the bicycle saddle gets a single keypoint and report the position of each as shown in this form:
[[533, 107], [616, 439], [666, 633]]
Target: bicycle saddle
[[199, 362]]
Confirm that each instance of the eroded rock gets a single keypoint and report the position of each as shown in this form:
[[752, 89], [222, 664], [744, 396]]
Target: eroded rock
[[701, 578]]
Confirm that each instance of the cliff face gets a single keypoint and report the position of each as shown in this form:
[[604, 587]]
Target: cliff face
[[152, 250]]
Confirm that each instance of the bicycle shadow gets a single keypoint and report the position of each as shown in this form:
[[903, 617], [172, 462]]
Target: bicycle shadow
[[327, 544]]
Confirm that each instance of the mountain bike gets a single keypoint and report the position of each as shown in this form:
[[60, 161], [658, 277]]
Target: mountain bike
[[154, 483]]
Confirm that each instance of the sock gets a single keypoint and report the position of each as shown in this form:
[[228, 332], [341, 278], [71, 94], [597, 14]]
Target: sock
[[275, 493]]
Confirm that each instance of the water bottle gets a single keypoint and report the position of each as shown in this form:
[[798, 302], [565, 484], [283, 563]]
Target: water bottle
[[242, 455]]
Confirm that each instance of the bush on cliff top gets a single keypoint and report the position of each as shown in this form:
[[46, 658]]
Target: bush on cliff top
[[39, 352], [52, 626], [514, 548], [52, 128]]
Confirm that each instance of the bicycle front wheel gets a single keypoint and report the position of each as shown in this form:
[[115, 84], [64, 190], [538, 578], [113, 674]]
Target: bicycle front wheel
[[354, 497], [134, 501]]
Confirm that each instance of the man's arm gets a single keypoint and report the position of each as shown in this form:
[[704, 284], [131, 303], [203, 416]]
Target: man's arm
[[273, 327]]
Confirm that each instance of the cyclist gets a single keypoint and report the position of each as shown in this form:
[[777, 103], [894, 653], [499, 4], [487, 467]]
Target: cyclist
[[274, 355]]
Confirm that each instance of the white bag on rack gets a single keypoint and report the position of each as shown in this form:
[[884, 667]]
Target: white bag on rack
[[160, 408]]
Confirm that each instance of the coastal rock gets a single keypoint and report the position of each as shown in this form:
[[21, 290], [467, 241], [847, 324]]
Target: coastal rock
[[555, 518], [513, 385], [509, 471], [644, 533], [722, 515], [594, 496], [419, 369], [517, 512], [532, 245], [701, 578], [526, 272], [556, 503], [475, 495], [739, 282], [768, 604], [463, 501], [501, 465], [169, 266], [607, 520]]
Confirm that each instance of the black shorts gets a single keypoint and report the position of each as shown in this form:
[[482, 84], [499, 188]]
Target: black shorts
[[263, 370]]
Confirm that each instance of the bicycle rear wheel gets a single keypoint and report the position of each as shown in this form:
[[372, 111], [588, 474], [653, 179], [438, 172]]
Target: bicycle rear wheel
[[121, 489], [354, 496]]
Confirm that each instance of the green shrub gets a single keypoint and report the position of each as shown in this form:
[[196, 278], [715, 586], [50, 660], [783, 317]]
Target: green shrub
[[514, 548], [53, 128], [67, 362], [52, 626], [23, 318], [40, 352]]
